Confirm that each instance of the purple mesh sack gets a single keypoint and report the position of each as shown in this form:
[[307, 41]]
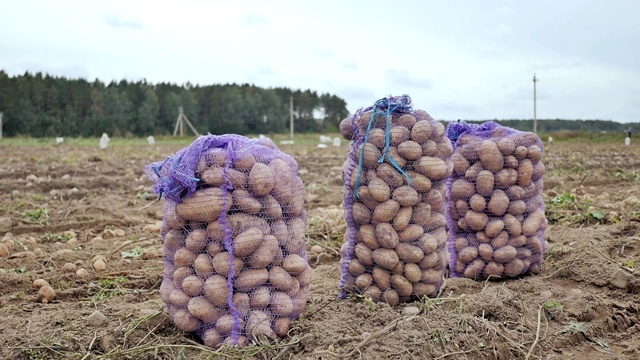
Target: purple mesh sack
[[234, 239], [495, 207], [395, 183]]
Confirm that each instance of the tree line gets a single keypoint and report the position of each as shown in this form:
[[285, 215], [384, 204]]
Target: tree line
[[550, 126], [40, 105]]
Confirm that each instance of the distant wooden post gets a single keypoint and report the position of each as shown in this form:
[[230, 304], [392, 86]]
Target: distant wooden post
[[291, 116], [1, 124], [182, 118], [535, 115]]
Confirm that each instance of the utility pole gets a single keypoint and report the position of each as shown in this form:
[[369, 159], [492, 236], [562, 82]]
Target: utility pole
[[1, 124], [535, 115], [291, 116]]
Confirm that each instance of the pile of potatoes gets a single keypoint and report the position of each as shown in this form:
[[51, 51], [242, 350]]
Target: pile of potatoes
[[395, 244], [495, 204], [235, 261]]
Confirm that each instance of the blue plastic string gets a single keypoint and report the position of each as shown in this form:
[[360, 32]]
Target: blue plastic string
[[384, 106]]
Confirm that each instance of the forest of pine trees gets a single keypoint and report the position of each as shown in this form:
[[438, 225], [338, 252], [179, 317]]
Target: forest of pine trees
[[40, 105]]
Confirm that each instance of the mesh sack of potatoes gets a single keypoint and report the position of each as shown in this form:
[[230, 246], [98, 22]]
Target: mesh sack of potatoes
[[495, 207], [234, 239], [395, 184]]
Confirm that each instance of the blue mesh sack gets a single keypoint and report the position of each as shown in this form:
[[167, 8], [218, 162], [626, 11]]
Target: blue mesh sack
[[495, 209], [234, 226], [395, 183]]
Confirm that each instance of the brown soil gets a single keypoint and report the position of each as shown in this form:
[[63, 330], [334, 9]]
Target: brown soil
[[585, 304]]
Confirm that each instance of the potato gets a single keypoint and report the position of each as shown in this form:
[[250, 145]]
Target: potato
[[241, 301], [444, 149], [185, 321], [281, 304], [468, 254], [179, 274], [391, 176], [485, 183], [174, 240], [410, 150], [472, 172], [523, 253], [261, 180], [482, 237], [505, 178], [485, 251], [379, 190], [494, 227], [409, 253], [401, 285], [516, 207], [204, 205], [251, 278], [538, 171], [294, 264], [183, 257], [525, 172], [296, 228], [412, 272], [534, 152], [435, 221], [363, 281], [367, 235], [385, 212], [363, 254], [377, 137], [505, 254], [221, 264], [178, 297], [429, 148], [281, 326], [224, 325], [370, 155], [477, 203], [500, 240], [462, 189], [381, 278], [258, 325], [213, 176], [460, 164], [432, 167], [421, 214], [461, 205], [386, 258], [391, 297], [216, 290], [399, 134], [392, 153], [533, 223], [506, 146], [196, 240], [240, 222], [406, 196], [355, 267], [534, 244], [247, 242], [211, 338], [520, 152], [490, 155], [266, 252], [386, 236], [45, 294], [203, 266], [459, 243], [421, 131], [515, 192], [215, 231], [512, 225], [202, 309], [361, 214], [476, 220], [422, 289], [514, 268], [410, 233], [474, 269], [399, 269], [403, 217], [260, 297], [347, 128], [407, 120], [493, 269], [270, 207]]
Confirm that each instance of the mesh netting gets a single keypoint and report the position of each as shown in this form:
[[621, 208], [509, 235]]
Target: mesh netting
[[395, 183], [495, 207], [234, 239]]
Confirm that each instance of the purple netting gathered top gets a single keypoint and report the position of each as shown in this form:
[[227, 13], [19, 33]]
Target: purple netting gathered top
[[234, 227], [395, 183], [495, 211]]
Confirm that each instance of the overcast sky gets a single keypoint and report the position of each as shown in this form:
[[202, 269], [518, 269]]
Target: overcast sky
[[467, 59]]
